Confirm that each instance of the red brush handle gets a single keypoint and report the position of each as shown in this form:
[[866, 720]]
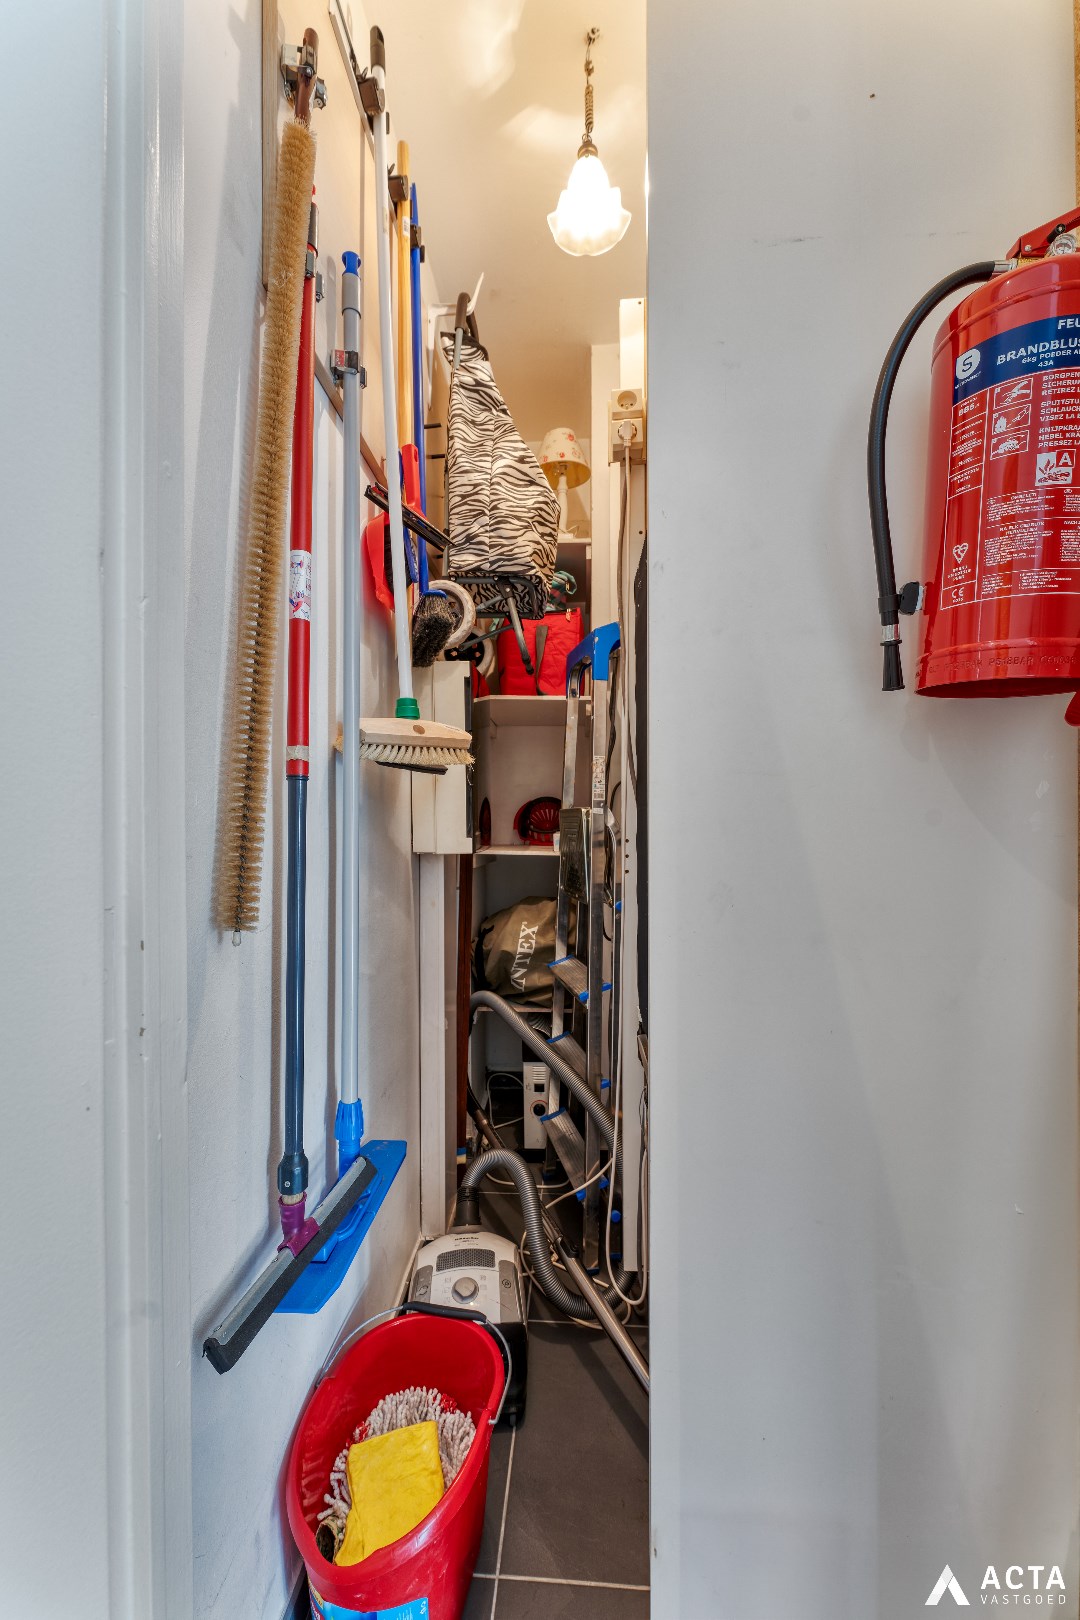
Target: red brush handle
[[297, 731]]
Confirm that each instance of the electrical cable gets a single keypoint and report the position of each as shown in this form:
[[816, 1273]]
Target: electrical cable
[[624, 524], [623, 703], [504, 1124], [523, 1247], [572, 1192], [573, 1321]]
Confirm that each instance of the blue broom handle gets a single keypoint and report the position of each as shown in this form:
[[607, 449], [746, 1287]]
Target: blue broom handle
[[293, 1163], [423, 577], [417, 355]]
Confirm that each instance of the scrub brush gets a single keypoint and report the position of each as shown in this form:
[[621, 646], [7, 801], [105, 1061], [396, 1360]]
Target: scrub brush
[[405, 741], [243, 814], [413, 744]]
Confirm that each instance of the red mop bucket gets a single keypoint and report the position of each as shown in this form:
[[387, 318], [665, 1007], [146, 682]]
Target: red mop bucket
[[424, 1575]]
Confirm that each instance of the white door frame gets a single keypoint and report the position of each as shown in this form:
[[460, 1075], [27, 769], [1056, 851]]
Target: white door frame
[[147, 1281]]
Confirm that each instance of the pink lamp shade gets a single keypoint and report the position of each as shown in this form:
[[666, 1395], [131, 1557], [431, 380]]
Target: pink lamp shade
[[561, 454]]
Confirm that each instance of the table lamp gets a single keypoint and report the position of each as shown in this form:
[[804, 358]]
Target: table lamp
[[564, 464]]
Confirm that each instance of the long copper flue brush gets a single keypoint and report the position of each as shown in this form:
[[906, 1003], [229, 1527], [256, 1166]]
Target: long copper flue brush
[[243, 809]]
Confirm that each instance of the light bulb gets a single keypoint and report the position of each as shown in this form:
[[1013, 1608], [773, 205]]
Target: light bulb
[[590, 217]]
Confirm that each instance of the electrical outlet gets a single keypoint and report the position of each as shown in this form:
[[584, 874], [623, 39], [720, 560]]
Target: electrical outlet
[[626, 424]]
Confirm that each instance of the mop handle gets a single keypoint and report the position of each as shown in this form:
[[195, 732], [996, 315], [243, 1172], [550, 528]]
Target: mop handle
[[297, 729], [292, 1172], [402, 628], [348, 1078]]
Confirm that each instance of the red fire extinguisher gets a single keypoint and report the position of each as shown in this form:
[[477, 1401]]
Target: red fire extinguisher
[[1001, 574]]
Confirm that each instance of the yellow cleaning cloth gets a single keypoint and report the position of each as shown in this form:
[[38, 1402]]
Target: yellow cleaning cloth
[[395, 1480]]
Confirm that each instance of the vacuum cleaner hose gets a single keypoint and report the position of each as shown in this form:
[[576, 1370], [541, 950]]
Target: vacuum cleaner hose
[[888, 599], [564, 1299], [549, 1054]]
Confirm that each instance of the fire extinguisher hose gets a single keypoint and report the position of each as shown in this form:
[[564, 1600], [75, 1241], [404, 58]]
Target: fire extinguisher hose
[[889, 601]]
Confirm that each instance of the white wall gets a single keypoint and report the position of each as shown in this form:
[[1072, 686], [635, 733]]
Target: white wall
[[862, 907], [243, 1422], [52, 952], [95, 1500]]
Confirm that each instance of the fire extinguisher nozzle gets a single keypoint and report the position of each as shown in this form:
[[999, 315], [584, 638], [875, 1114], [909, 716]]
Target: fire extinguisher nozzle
[[892, 673]]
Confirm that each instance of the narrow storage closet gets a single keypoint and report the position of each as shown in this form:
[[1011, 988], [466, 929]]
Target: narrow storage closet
[[465, 771], [549, 1063]]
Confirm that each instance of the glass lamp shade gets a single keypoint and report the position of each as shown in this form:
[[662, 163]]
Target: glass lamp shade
[[561, 456], [590, 217]]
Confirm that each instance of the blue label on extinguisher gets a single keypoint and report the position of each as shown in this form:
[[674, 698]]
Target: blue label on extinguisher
[[1038, 346], [321, 1609]]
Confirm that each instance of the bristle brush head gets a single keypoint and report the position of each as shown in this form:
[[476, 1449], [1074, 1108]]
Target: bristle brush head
[[415, 745], [243, 804]]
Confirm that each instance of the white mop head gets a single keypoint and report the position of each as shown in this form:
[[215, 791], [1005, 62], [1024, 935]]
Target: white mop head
[[415, 1405]]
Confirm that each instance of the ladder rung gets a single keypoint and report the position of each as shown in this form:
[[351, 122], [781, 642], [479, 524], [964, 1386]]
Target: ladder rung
[[571, 1052], [565, 1138], [573, 975]]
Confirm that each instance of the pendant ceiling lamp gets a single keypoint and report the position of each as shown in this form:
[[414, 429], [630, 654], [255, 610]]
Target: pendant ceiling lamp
[[590, 217]]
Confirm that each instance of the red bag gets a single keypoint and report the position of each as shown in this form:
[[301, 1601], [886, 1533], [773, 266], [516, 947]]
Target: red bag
[[480, 687], [561, 633]]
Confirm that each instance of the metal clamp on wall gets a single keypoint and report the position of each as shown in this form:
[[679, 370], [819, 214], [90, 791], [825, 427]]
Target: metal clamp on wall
[[301, 62]]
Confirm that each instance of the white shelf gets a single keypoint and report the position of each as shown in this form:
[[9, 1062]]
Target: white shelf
[[520, 709], [488, 852]]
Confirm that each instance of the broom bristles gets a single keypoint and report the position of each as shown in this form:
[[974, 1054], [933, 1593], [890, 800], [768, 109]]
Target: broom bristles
[[243, 815], [435, 618], [408, 757], [414, 745]]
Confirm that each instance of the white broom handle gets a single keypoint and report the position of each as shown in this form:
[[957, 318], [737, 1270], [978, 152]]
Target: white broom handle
[[348, 1079], [402, 632]]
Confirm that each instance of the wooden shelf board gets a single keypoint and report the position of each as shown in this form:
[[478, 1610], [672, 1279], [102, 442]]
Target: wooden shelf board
[[519, 709], [530, 851]]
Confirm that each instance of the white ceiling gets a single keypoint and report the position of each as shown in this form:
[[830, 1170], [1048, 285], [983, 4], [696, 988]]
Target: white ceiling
[[490, 96]]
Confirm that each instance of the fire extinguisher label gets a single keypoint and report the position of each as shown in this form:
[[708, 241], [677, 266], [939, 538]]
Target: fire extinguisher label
[[1012, 525], [1038, 346]]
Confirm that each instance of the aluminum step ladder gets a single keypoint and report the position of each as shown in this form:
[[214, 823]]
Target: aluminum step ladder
[[581, 1021]]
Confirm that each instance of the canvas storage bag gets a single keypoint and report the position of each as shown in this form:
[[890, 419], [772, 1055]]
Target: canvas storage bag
[[514, 950]]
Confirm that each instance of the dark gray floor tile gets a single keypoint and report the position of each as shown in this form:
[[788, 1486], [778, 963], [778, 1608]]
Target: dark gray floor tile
[[496, 1493], [533, 1600], [480, 1601], [579, 1494]]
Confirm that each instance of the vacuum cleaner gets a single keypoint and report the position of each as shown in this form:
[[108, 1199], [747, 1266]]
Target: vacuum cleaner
[[479, 1273]]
